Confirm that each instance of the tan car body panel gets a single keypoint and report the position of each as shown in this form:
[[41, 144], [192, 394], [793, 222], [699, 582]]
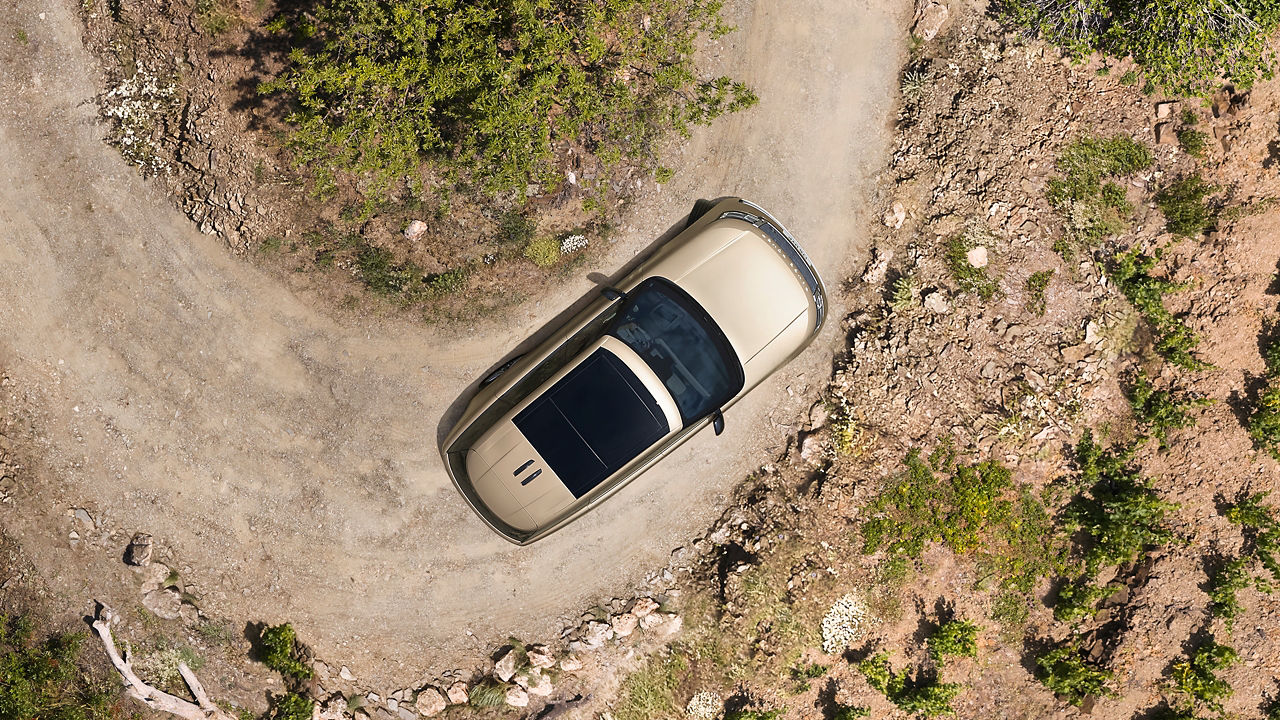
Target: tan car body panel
[[711, 261]]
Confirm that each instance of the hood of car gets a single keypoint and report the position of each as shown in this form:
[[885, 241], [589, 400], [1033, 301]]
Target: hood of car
[[730, 285]]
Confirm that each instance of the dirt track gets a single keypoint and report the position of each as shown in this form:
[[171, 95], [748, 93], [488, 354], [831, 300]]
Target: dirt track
[[287, 460]]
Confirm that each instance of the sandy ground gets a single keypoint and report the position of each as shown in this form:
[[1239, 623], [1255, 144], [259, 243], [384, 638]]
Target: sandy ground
[[287, 461]]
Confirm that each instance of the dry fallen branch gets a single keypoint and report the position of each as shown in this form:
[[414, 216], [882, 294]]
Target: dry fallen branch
[[151, 697]]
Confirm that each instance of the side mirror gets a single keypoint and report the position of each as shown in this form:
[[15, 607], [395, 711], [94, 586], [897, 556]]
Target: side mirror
[[613, 293], [717, 422]]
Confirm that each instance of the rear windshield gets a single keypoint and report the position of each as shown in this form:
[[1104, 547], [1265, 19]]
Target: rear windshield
[[682, 345], [593, 421]]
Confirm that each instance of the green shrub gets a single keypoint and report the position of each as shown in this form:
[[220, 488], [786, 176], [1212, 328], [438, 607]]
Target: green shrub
[[1129, 79], [1076, 601], [851, 712], [920, 696], [1121, 515], [1131, 272], [1194, 142], [1185, 207], [802, 674], [488, 90], [1271, 353], [968, 278], [1036, 285], [1196, 677], [956, 638], [543, 251], [1223, 586], [383, 275], [1065, 672], [44, 680], [1161, 410], [447, 282], [279, 652], [292, 706], [515, 230], [904, 294], [1011, 610], [753, 715], [1093, 207], [1262, 530], [1183, 46], [1264, 423]]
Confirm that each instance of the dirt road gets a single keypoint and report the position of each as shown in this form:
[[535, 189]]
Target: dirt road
[[285, 460]]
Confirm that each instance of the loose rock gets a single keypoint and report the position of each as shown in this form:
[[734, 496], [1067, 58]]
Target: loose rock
[[415, 230], [934, 302], [139, 551], [624, 624], [458, 693], [430, 702], [506, 666], [517, 696]]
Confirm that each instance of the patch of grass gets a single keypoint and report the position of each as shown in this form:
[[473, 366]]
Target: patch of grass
[[968, 278], [1011, 609], [1189, 117], [215, 633], [753, 715], [487, 694], [280, 652], [1094, 210], [1197, 676], [213, 17], [954, 638], [21, 36], [663, 174], [904, 294], [1161, 410], [1185, 205], [447, 282], [914, 83], [1129, 79], [920, 695], [650, 691], [515, 229], [1065, 671], [43, 679], [543, 251], [271, 244], [802, 674], [1036, 286], [1175, 341], [1120, 515]]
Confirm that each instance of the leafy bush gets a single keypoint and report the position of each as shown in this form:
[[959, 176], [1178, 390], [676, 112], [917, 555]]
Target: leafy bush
[[1262, 530], [1264, 423], [1076, 601], [1183, 46], [1131, 272], [489, 90], [1197, 678], [1161, 410], [1036, 286], [1121, 515], [851, 712], [292, 706], [1094, 210], [279, 652], [956, 638], [43, 680], [1185, 207], [1066, 672], [920, 696], [1193, 141], [968, 278], [1223, 586]]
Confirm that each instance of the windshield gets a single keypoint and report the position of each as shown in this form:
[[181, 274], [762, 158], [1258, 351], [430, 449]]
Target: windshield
[[683, 347]]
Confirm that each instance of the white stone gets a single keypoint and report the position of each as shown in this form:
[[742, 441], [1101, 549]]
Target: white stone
[[430, 702], [540, 658], [506, 666], [517, 696], [652, 620], [536, 683], [643, 606], [977, 257], [458, 694], [596, 635], [929, 20], [345, 674], [164, 602], [624, 624], [934, 302], [571, 664], [415, 230], [896, 216]]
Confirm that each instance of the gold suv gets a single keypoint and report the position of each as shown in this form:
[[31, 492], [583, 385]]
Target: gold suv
[[553, 432]]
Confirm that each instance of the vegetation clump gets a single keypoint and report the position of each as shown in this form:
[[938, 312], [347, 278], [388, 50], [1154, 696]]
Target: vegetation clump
[[43, 679], [1065, 671], [1264, 422], [1185, 47], [968, 277], [292, 706], [279, 652], [1185, 205], [1161, 410], [1175, 341], [1121, 515], [955, 638], [1193, 142], [489, 91], [1196, 677], [1095, 207], [1076, 601], [919, 696], [1036, 285]]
